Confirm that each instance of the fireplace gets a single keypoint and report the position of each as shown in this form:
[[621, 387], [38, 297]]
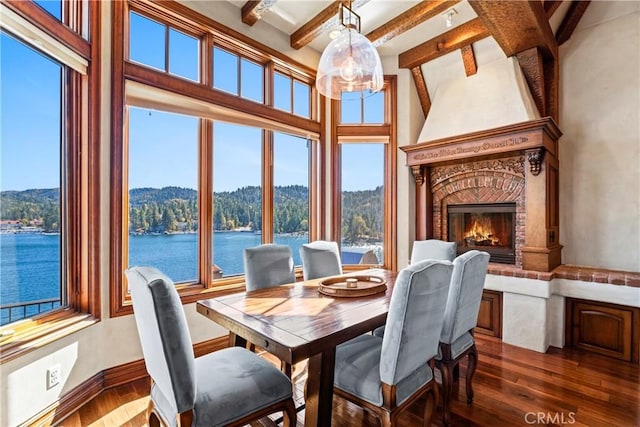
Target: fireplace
[[487, 227]]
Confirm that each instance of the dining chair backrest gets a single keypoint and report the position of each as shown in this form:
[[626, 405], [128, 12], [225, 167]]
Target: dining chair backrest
[[465, 295], [320, 259], [415, 318], [164, 335], [268, 265], [433, 249]]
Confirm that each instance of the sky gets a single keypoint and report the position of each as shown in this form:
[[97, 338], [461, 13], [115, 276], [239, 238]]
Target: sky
[[163, 146]]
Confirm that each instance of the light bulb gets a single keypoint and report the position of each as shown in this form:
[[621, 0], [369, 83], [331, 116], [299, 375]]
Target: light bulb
[[350, 69]]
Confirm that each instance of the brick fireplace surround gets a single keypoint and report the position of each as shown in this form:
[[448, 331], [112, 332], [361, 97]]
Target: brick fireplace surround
[[517, 164]]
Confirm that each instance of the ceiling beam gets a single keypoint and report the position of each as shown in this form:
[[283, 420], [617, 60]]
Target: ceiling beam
[[252, 11], [324, 20], [421, 86], [517, 25], [532, 65], [462, 35], [571, 19], [469, 60], [550, 7], [416, 15]]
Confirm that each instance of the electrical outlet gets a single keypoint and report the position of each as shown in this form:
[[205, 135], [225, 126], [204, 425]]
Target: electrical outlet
[[54, 376]]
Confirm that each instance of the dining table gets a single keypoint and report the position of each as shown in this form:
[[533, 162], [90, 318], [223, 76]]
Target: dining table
[[296, 321]]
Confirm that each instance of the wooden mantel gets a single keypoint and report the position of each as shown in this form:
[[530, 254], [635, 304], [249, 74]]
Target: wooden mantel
[[521, 136], [537, 141]]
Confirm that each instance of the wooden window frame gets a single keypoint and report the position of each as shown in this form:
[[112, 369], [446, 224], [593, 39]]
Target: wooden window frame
[[376, 133], [79, 187], [213, 34]]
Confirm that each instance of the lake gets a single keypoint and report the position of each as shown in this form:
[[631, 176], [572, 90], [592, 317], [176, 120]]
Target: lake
[[30, 269]]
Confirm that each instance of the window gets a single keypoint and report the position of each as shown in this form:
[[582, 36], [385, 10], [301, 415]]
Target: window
[[162, 47], [364, 200], [163, 192], [202, 171], [49, 183]]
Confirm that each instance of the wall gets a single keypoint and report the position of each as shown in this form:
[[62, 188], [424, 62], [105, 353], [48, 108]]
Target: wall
[[113, 341], [600, 149]]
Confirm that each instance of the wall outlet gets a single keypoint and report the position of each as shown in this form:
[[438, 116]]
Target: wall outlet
[[54, 376]]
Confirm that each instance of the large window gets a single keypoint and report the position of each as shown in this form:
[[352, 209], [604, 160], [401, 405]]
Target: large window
[[364, 176], [206, 169], [49, 183]]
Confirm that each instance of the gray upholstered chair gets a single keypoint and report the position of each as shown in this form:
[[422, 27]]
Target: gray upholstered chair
[[428, 249], [433, 249], [228, 387], [386, 375], [320, 259], [460, 317], [268, 265]]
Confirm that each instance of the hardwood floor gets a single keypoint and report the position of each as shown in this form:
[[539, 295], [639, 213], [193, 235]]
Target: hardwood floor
[[513, 387]]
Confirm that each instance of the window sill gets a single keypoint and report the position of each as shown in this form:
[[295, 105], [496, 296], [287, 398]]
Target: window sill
[[26, 339]]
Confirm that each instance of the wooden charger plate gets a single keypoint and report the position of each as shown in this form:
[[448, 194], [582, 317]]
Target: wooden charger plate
[[337, 286]]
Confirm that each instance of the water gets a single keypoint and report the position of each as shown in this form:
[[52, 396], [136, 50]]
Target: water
[[30, 263]]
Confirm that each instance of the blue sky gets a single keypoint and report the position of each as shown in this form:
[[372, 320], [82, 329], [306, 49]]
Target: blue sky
[[163, 148]]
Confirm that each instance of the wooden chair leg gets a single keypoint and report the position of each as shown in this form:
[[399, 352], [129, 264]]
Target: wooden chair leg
[[289, 414], [152, 417], [447, 387], [430, 405], [471, 370]]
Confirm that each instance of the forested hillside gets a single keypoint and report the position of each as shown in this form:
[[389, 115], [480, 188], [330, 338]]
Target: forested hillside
[[175, 209]]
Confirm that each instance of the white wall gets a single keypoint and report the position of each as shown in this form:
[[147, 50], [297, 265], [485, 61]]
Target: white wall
[[600, 150]]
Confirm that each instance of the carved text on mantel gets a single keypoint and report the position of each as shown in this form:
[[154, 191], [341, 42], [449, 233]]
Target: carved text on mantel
[[477, 148]]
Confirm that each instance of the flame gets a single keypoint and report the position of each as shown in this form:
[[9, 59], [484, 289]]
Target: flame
[[481, 231]]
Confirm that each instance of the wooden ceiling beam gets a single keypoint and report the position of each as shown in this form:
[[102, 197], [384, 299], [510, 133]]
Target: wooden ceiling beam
[[252, 11], [412, 17], [324, 20], [571, 19], [517, 25], [469, 60], [423, 92], [532, 65], [550, 7], [454, 39]]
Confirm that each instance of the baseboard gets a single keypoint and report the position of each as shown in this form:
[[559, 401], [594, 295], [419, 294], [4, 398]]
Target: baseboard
[[71, 401]]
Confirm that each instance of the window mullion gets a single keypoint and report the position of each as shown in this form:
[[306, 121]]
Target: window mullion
[[267, 186], [205, 202]]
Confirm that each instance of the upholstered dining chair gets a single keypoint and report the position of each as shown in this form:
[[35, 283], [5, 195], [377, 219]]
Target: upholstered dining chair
[[427, 249], [320, 259], [460, 317], [268, 265], [386, 375], [229, 387], [433, 249]]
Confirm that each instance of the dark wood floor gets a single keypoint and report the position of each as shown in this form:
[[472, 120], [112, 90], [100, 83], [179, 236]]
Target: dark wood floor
[[513, 387]]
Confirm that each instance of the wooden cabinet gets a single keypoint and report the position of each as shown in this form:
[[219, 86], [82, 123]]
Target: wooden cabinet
[[609, 329], [490, 314]]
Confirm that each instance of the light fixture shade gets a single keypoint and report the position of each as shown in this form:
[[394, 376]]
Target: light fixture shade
[[350, 63]]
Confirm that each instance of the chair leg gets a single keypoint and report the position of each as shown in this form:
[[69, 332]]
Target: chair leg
[[471, 370], [447, 387], [385, 419], [430, 405], [289, 414], [153, 419]]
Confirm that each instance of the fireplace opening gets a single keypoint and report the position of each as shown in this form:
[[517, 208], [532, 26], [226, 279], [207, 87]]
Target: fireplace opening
[[485, 227]]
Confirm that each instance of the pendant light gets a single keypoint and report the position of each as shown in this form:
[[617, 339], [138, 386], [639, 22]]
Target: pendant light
[[350, 62]]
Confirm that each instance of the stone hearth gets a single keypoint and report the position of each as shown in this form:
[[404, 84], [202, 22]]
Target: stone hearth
[[516, 163]]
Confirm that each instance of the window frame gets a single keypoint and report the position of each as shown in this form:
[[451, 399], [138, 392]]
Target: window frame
[[127, 75], [381, 133], [80, 177]]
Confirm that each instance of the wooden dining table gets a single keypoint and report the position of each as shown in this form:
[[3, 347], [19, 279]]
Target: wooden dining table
[[295, 322]]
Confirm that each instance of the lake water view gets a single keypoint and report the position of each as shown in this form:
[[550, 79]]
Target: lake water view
[[30, 269]]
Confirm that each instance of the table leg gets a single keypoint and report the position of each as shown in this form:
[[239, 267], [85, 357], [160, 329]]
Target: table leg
[[319, 399], [236, 340]]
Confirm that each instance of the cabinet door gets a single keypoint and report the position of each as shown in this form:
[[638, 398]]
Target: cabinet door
[[490, 314], [603, 328]]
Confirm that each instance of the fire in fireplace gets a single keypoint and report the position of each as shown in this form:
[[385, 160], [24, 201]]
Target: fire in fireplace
[[486, 227]]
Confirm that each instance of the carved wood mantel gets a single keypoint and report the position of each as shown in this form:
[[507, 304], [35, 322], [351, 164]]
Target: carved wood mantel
[[537, 140]]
